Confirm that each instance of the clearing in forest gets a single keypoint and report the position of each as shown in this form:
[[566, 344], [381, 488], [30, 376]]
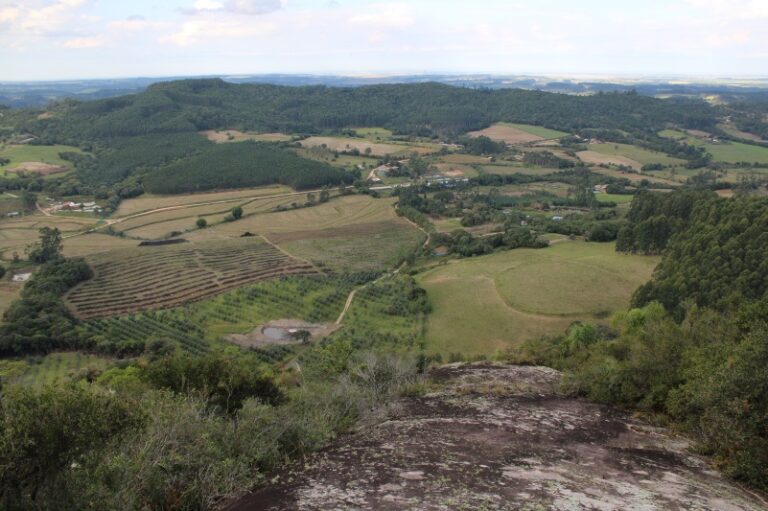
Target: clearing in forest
[[516, 134], [222, 136], [342, 144], [496, 301], [144, 278], [44, 160]]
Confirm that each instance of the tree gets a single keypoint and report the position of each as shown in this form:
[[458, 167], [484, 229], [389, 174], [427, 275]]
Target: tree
[[201, 223], [28, 200], [311, 198], [237, 212], [48, 248], [325, 195]]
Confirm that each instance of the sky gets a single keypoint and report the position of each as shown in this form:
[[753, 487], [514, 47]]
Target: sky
[[77, 39]]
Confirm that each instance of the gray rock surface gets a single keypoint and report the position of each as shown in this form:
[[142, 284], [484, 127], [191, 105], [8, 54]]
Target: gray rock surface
[[501, 437]]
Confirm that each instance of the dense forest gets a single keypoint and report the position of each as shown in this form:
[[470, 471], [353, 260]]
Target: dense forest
[[242, 165]]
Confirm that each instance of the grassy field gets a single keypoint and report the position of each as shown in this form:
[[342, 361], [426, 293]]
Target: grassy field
[[638, 154], [352, 248], [504, 170], [492, 302], [144, 278], [724, 152], [515, 134], [9, 291], [374, 133], [149, 202], [613, 197], [54, 368], [49, 154], [539, 131]]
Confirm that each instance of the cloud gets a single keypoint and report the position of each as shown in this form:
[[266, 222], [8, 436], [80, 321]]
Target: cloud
[[84, 42], [208, 5], [389, 15], [213, 30], [732, 9]]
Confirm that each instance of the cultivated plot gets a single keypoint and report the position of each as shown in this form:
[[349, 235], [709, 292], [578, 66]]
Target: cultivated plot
[[157, 277]]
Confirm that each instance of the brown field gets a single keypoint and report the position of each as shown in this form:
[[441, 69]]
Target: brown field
[[595, 158], [507, 134], [633, 176], [223, 136], [149, 202], [377, 148], [142, 278], [37, 167]]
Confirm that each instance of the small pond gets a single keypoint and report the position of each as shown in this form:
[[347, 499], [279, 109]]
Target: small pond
[[275, 333]]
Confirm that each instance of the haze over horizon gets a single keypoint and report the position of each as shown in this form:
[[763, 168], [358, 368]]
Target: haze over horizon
[[80, 39]]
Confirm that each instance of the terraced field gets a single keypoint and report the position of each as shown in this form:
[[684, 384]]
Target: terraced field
[[194, 327], [158, 277], [339, 212]]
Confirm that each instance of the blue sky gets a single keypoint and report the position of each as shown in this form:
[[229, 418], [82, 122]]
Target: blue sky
[[70, 39]]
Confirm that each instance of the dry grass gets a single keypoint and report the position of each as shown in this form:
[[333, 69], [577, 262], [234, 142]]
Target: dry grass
[[341, 211], [595, 158], [36, 167], [377, 148], [506, 133], [149, 202], [223, 136]]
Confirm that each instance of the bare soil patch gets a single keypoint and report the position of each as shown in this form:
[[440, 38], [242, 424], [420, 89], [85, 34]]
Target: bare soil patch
[[282, 331], [501, 437], [508, 134], [37, 167], [224, 136], [376, 149]]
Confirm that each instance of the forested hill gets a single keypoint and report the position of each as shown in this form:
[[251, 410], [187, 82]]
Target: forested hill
[[192, 105]]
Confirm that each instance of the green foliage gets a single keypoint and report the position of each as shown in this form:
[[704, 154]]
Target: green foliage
[[45, 432], [39, 321], [241, 165], [482, 145], [717, 260], [237, 212], [223, 381], [653, 218], [201, 223], [48, 248]]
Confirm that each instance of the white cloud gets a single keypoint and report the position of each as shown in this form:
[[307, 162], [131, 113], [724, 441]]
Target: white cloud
[[212, 31], [388, 15], [733, 9], [84, 42], [208, 5]]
